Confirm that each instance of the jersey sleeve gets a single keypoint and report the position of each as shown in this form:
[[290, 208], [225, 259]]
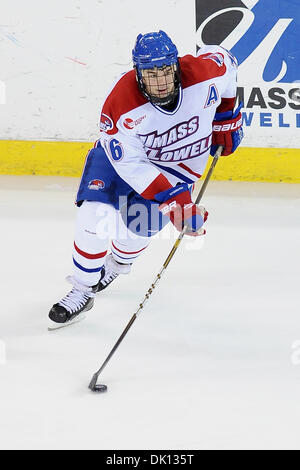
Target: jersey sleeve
[[125, 149], [228, 95]]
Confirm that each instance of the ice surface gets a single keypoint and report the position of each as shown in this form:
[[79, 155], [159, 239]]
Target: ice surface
[[212, 363]]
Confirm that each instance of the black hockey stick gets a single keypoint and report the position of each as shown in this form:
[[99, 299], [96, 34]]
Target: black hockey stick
[[101, 387]]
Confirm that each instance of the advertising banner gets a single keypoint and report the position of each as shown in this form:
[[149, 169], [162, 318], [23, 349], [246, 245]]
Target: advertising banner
[[264, 37]]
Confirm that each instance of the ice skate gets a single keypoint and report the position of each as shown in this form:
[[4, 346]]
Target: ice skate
[[111, 271], [72, 307]]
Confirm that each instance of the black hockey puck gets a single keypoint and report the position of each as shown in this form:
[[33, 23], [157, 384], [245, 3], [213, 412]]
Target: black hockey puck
[[99, 388]]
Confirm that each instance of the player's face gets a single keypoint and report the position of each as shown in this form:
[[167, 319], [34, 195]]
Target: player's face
[[159, 82]]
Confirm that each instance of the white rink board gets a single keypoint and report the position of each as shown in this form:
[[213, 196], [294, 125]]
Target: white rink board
[[58, 59]]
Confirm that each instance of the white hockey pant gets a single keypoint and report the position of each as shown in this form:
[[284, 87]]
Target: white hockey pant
[[99, 228]]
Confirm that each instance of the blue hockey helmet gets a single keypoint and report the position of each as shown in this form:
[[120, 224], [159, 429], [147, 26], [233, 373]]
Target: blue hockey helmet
[[156, 50]]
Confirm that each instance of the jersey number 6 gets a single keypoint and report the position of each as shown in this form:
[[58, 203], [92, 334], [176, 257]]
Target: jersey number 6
[[115, 149]]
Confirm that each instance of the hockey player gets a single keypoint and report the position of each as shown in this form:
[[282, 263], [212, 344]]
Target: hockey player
[[158, 125]]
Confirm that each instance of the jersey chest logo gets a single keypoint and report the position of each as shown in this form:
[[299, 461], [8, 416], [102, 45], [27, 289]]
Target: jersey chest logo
[[192, 150], [154, 140]]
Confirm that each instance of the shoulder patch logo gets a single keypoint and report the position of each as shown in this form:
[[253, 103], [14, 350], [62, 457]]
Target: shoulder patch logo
[[106, 123]]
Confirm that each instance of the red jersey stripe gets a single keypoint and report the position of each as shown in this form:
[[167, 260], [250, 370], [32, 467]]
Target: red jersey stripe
[[227, 104], [161, 183], [124, 97], [186, 168], [89, 255], [127, 252], [199, 69]]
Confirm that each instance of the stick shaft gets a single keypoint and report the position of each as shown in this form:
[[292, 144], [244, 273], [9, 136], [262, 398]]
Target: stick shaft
[[130, 323], [209, 173]]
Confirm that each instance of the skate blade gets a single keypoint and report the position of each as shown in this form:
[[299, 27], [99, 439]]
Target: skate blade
[[52, 325]]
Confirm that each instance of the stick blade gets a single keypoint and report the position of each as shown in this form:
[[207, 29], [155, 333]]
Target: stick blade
[[93, 382]]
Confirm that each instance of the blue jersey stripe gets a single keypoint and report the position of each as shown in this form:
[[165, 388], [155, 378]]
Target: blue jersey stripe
[[94, 270], [129, 259], [175, 173]]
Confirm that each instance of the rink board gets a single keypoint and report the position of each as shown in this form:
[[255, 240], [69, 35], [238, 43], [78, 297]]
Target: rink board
[[67, 158]]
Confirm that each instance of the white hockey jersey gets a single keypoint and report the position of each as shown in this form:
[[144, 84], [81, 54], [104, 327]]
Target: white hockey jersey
[[153, 149]]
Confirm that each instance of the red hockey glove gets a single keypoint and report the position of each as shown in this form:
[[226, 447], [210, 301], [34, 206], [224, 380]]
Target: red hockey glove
[[177, 204], [227, 131]]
